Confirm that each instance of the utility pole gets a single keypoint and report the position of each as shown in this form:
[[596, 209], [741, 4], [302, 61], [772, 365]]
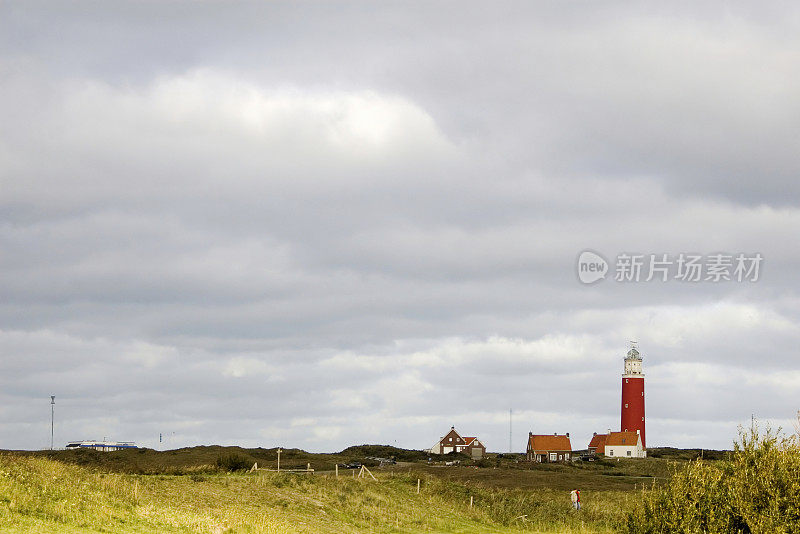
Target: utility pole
[[52, 419], [510, 442]]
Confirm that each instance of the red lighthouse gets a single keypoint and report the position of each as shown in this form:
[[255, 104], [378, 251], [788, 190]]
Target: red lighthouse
[[632, 419]]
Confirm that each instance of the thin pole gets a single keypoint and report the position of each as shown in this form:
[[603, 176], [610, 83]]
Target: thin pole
[[509, 430], [52, 419], [279, 459]]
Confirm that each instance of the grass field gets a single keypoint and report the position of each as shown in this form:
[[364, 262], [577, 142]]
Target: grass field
[[184, 491]]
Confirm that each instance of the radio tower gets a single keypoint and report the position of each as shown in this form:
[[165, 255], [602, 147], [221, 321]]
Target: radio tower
[[632, 418], [510, 448], [52, 418]]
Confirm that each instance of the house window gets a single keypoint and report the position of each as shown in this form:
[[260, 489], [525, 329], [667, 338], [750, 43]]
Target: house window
[[626, 404], [629, 453], [553, 457], [611, 452], [642, 419]]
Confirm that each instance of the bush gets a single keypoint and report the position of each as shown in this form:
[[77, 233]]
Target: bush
[[756, 491], [487, 462], [385, 451], [233, 462]]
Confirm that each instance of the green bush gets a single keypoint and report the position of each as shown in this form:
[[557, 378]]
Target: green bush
[[233, 462], [757, 490]]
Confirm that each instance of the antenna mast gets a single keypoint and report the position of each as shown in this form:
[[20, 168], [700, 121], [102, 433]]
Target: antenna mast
[[509, 430], [52, 418]]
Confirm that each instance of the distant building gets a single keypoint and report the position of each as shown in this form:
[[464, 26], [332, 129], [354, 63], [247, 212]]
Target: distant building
[[549, 448], [624, 445], [104, 446], [598, 443], [474, 448], [454, 442]]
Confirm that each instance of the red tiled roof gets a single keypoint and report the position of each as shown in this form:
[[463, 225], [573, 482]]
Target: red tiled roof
[[598, 442], [547, 442], [622, 438], [469, 441]]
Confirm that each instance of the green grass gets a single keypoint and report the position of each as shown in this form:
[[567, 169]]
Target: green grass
[[189, 490], [191, 460], [205, 458], [43, 495], [625, 475]]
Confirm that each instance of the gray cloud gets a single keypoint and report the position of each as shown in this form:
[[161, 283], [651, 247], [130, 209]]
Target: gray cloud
[[317, 226]]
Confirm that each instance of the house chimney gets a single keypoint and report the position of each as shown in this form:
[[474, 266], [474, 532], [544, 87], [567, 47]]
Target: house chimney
[[530, 434], [594, 434], [452, 428], [567, 434]]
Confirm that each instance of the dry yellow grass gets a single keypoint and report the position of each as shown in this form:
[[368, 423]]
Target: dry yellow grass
[[41, 495]]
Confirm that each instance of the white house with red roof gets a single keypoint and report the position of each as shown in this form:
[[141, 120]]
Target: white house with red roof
[[624, 445], [454, 442]]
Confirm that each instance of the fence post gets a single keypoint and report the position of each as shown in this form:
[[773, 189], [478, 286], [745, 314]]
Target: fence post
[[417, 486], [337, 470], [470, 501]]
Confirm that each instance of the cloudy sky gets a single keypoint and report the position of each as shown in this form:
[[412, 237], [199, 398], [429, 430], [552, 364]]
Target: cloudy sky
[[318, 224]]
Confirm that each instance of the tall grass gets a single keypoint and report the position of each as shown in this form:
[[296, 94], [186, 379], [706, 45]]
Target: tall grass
[[39, 490], [756, 490], [42, 495]]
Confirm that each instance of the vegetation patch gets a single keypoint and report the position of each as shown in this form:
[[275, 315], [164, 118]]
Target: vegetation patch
[[755, 490]]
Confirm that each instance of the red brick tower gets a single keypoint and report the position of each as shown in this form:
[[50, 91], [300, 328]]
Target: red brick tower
[[632, 419]]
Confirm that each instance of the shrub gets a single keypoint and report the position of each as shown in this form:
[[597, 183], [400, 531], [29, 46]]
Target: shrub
[[233, 462], [487, 462], [756, 491]]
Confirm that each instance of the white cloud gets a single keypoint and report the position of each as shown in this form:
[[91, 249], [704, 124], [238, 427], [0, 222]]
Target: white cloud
[[241, 366]]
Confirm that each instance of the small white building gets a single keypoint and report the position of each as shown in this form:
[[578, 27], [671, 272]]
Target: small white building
[[624, 445]]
